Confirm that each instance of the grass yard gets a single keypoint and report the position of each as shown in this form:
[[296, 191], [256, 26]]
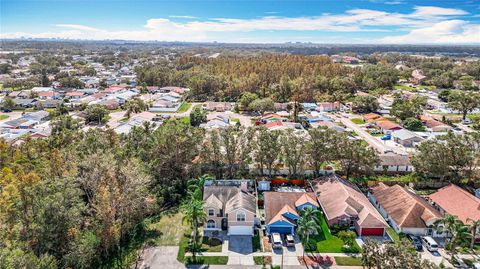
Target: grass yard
[[211, 244], [393, 234], [405, 88], [185, 120], [4, 117], [214, 260], [256, 243], [326, 242], [348, 261], [169, 229], [358, 120], [184, 107], [262, 260]]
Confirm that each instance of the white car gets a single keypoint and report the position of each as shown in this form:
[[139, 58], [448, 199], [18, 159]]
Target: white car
[[276, 240], [289, 241], [429, 243]]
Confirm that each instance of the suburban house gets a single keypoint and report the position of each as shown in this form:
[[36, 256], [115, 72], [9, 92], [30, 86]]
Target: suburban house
[[345, 205], [417, 76], [387, 126], [74, 95], [456, 201], [393, 163], [434, 125], [282, 209], [406, 138], [47, 95], [218, 106], [405, 211], [229, 208]]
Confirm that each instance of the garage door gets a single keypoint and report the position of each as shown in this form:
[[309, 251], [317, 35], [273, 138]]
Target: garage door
[[373, 231], [280, 230], [240, 230]]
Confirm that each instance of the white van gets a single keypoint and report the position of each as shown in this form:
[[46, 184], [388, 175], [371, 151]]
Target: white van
[[276, 240], [429, 243]]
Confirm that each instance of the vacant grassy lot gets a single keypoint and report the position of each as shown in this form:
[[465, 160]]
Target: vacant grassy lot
[[168, 229], [348, 261], [4, 117], [184, 107]]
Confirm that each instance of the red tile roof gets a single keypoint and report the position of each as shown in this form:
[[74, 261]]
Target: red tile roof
[[458, 202]]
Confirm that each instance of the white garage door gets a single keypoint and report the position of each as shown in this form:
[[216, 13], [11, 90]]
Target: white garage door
[[240, 230]]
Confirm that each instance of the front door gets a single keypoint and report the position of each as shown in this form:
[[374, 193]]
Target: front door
[[224, 224]]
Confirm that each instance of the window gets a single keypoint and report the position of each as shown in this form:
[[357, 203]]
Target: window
[[210, 224], [211, 211], [240, 216]]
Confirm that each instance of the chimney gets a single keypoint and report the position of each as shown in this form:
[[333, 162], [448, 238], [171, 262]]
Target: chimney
[[244, 185]]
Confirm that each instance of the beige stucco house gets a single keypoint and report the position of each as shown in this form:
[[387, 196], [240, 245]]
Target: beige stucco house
[[229, 208]]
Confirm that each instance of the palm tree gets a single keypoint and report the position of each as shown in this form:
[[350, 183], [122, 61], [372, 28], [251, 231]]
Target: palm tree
[[305, 228], [474, 225], [459, 233], [310, 213], [194, 215], [448, 221]]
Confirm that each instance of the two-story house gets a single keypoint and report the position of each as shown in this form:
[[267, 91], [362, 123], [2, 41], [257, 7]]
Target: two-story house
[[229, 208]]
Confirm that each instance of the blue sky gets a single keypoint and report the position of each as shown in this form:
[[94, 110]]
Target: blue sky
[[340, 21]]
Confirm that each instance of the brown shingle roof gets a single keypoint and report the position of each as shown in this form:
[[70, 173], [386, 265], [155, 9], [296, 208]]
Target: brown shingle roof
[[230, 197], [458, 202], [406, 208], [276, 201]]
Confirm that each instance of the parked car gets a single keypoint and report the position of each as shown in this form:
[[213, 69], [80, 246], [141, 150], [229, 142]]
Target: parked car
[[386, 137], [7, 110], [289, 241], [416, 242], [276, 240], [429, 243]]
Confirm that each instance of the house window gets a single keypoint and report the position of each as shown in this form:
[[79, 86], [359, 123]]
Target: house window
[[210, 224], [211, 211], [240, 216]]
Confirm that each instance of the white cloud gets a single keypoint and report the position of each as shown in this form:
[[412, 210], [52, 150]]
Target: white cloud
[[451, 31], [436, 24], [394, 3]]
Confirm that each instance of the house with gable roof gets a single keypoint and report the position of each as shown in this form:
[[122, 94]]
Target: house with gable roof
[[229, 208], [282, 210]]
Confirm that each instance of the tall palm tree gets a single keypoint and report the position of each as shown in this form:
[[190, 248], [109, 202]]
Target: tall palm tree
[[448, 221], [460, 234], [195, 216], [310, 213], [474, 225], [305, 228]]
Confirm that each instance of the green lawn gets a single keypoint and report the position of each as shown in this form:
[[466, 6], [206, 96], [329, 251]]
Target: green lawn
[[185, 120], [124, 120], [4, 117], [210, 244], [358, 120], [184, 107], [404, 87], [348, 261], [325, 242], [258, 260], [215, 260], [393, 234], [169, 229], [256, 243], [183, 244]]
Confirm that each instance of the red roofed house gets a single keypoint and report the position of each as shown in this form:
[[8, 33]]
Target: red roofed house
[[405, 211], [273, 124], [45, 95], [74, 95], [456, 201], [344, 204], [387, 125], [328, 107]]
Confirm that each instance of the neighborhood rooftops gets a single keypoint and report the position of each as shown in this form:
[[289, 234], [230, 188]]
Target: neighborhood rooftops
[[283, 202], [458, 202], [406, 208]]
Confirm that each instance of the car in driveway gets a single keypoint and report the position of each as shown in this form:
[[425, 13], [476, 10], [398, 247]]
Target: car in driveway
[[289, 240], [430, 244], [276, 240], [416, 242]]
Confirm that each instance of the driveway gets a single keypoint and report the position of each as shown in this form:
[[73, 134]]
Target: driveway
[[241, 244]]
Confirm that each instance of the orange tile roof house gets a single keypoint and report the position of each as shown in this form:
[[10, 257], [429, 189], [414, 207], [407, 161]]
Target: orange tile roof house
[[404, 210], [344, 204], [387, 125], [456, 201], [282, 209]]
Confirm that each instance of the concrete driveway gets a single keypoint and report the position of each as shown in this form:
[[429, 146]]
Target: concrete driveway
[[241, 244]]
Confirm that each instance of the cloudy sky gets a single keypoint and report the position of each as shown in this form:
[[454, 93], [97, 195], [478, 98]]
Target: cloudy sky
[[320, 21]]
